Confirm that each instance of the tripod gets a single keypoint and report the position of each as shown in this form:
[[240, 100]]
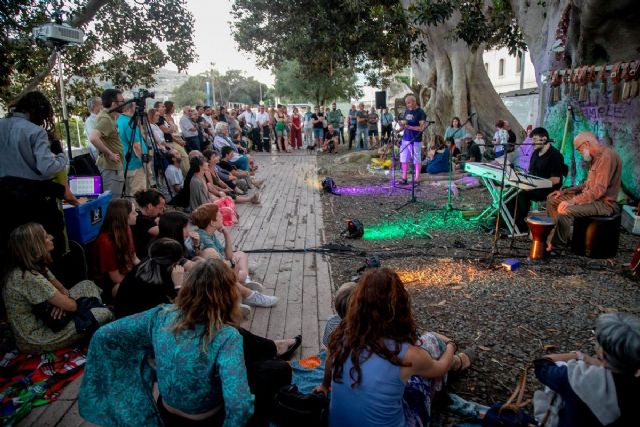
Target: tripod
[[139, 120]]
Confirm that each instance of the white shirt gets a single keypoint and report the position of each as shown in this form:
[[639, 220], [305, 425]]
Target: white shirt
[[262, 119], [89, 124], [186, 125], [249, 117], [174, 175]]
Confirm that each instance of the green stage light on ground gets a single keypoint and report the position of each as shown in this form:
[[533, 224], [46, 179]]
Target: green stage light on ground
[[418, 226]]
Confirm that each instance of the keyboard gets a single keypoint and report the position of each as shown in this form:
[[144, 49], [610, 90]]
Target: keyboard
[[513, 178]]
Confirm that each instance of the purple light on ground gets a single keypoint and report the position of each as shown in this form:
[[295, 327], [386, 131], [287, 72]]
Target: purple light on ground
[[361, 190]]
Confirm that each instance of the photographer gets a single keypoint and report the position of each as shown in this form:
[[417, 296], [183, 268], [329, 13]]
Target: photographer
[[134, 148]]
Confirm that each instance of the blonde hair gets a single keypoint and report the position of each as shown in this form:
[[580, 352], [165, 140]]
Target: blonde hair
[[28, 248], [208, 297]]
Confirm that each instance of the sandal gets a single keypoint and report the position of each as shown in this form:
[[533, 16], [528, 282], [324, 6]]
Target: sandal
[[462, 366], [287, 354]]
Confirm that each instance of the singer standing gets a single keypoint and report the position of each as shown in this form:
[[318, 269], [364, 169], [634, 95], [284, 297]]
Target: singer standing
[[413, 124]]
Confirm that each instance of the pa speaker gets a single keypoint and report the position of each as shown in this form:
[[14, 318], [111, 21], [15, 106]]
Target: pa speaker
[[381, 99]]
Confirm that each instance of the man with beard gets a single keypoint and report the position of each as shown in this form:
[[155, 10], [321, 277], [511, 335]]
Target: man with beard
[[546, 162]]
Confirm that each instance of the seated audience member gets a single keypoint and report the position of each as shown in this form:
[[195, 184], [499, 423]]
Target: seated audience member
[[472, 149], [438, 156], [175, 225], [198, 192], [114, 249], [376, 357], [340, 304], [208, 221], [151, 205], [224, 164], [154, 281], [596, 196], [213, 158], [173, 173], [601, 390], [34, 298], [453, 148], [500, 139], [199, 375], [222, 140], [331, 140], [545, 162]]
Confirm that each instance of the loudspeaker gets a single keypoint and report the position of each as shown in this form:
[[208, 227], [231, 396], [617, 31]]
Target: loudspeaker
[[381, 99]]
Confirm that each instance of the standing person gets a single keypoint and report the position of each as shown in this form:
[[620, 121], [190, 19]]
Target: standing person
[[500, 139], [189, 129], [411, 148], [373, 119], [281, 129], [222, 115], [362, 128], [596, 196], [129, 132], [262, 121], [455, 132], [325, 122], [251, 119], [94, 105], [335, 117], [308, 127], [296, 129], [386, 124], [170, 129], [30, 288], [31, 157], [352, 124], [318, 131], [151, 204], [114, 249], [106, 138]]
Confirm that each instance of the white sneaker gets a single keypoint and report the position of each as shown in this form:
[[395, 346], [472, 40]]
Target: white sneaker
[[246, 311], [252, 267], [257, 299], [254, 286]]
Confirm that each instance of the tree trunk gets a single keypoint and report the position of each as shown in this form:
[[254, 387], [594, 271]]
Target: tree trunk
[[455, 83]]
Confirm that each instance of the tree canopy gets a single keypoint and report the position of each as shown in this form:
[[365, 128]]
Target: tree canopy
[[293, 84], [126, 42], [232, 86]]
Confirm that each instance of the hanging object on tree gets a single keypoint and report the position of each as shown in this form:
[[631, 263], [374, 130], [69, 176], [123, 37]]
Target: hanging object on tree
[[616, 77], [634, 71], [603, 82], [591, 77], [626, 86], [582, 80], [567, 82], [556, 79], [574, 81]]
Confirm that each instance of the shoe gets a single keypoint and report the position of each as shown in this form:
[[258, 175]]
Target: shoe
[[292, 348], [254, 286], [253, 266], [257, 299], [246, 311], [255, 199]]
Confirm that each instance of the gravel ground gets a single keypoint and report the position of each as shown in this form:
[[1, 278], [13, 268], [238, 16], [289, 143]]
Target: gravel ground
[[509, 318]]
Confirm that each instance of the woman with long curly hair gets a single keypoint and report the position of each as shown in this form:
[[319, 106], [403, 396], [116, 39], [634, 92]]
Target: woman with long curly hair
[[114, 248], [381, 373], [200, 376]]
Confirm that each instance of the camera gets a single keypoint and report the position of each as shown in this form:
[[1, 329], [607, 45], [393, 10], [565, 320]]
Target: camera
[[143, 94]]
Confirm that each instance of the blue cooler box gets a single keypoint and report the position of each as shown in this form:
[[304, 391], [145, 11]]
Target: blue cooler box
[[84, 221]]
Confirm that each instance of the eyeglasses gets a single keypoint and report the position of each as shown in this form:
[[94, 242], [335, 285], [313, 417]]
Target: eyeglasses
[[580, 146]]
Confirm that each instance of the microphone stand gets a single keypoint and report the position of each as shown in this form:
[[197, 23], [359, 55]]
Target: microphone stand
[[416, 138]]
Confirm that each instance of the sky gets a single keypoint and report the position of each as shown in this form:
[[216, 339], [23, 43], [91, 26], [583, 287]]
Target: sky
[[214, 42]]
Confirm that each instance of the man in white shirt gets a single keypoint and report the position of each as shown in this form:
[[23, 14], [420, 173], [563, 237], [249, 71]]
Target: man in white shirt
[[251, 119], [262, 121], [189, 129], [94, 105]]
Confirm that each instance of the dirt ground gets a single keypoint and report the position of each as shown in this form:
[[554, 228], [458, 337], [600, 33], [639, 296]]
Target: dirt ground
[[508, 317]]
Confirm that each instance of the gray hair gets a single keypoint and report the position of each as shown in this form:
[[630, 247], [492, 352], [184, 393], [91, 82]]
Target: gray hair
[[619, 336], [343, 294], [220, 126], [91, 102]]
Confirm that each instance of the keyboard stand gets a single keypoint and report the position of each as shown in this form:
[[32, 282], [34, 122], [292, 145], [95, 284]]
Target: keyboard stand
[[497, 205]]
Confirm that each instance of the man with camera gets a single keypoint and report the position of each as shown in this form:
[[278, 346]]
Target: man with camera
[[134, 149], [106, 139]]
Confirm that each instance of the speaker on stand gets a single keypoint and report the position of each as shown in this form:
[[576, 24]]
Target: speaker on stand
[[381, 99]]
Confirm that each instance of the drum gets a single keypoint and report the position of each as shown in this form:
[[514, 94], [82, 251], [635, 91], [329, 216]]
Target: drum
[[540, 227]]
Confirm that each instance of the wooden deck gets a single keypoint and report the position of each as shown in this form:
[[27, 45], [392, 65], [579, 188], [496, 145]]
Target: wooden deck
[[289, 217]]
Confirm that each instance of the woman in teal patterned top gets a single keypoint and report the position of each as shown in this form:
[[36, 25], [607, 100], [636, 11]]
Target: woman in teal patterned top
[[199, 376]]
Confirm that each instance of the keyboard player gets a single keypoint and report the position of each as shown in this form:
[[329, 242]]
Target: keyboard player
[[546, 162]]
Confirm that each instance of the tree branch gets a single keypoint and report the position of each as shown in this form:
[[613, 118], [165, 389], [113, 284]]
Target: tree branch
[[85, 16]]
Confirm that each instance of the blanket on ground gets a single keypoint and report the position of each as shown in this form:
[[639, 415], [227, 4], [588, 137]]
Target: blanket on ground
[[31, 380]]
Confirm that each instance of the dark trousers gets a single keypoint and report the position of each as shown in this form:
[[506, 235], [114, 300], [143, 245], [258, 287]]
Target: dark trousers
[[386, 132], [193, 143], [266, 139], [341, 140], [352, 136], [255, 139], [519, 206]]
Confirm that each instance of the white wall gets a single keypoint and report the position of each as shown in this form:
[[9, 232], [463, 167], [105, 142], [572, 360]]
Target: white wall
[[510, 80]]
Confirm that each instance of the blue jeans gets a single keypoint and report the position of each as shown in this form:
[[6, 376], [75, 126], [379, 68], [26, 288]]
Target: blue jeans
[[241, 163], [318, 133], [362, 138]]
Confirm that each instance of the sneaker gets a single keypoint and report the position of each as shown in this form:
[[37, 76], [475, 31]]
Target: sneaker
[[254, 286], [246, 311], [257, 299], [253, 266]]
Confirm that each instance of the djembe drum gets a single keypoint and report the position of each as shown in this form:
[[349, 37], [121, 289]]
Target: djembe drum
[[540, 227]]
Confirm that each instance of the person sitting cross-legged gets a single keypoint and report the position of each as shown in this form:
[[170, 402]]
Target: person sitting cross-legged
[[596, 196]]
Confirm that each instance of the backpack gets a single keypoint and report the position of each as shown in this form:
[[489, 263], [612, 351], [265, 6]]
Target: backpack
[[293, 409], [329, 185], [355, 229]]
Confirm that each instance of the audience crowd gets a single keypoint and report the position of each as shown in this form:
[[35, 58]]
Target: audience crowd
[[164, 264]]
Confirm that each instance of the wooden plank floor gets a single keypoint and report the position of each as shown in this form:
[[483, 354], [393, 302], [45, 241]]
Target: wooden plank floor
[[289, 217]]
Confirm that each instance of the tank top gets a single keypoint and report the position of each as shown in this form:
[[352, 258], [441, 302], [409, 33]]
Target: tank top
[[377, 401], [280, 125], [295, 119]]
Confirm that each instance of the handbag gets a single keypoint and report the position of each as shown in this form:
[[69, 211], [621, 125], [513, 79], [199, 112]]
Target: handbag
[[511, 414], [292, 408], [83, 319]]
